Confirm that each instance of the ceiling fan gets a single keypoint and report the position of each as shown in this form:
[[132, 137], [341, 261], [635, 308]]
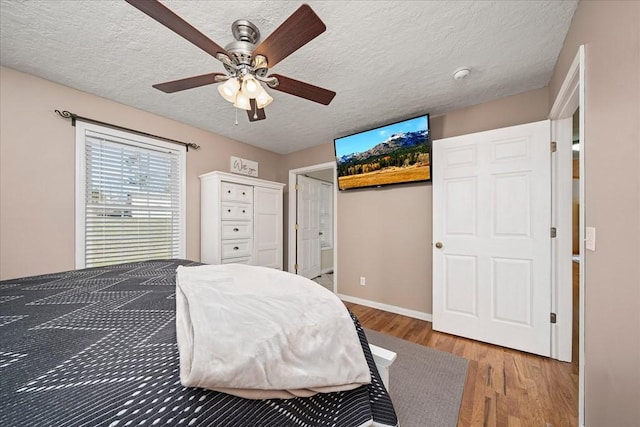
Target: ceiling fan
[[246, 62]]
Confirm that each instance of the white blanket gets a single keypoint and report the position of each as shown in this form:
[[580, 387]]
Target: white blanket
[[261, 333]]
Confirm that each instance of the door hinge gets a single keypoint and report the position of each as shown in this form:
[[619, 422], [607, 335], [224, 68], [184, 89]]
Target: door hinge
[[296, 227], [553, 318], [553, 232], [296, 267], [297, 187], [554, 146]]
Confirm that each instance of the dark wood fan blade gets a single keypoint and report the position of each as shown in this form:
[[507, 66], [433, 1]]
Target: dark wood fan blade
[[255, 113], [298, 29], [188, 83], [166, 17], [303, 90]]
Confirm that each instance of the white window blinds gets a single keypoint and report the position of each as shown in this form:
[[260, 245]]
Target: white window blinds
[[131, 198]]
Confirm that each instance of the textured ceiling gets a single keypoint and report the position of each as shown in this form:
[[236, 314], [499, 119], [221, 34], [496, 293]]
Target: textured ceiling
[[387, 60]]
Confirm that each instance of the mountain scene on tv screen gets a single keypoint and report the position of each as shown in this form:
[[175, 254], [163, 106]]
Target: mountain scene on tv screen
[[402, 157]]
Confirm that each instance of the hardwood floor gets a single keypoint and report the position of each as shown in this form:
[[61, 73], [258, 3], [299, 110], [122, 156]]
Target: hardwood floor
[[504, 387]]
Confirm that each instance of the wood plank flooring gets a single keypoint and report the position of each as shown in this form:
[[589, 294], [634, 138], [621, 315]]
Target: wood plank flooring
[[504, 387]]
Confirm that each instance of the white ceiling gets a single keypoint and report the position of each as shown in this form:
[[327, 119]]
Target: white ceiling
[[387, 60]]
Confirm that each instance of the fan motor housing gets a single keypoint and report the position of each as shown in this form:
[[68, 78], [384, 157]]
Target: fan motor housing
[[247, 36], [241, 52]]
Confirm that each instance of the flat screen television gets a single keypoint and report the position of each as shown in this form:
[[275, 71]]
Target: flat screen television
[[396, 153]]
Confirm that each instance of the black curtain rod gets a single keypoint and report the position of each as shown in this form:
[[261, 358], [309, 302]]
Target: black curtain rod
[[68, 115]]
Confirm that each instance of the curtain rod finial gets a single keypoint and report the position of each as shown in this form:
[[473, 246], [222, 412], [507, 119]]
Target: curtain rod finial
[[67, 115], [64, 114]]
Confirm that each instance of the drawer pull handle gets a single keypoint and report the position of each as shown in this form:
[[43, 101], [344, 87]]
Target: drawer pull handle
[[244, 194], [228, 210], [243, 211], [235, 248], [236, 229], [229, 191]]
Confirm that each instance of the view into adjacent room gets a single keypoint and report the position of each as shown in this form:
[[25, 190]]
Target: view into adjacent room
[[321, 248], [575, 220]]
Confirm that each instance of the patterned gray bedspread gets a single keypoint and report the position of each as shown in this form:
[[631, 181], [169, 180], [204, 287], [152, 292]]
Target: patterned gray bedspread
[[97, 347]]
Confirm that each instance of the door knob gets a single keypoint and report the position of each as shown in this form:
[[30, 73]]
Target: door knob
[[439, 245]]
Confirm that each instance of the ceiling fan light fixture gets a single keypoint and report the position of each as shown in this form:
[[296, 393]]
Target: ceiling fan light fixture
[[229, 89], [242, 101], [250, 86], [263, 99], [245, 60]]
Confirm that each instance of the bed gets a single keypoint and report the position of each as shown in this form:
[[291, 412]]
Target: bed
[[98, 347]]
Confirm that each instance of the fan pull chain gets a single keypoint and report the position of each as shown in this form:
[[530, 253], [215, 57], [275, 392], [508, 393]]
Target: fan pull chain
[[236, 116]]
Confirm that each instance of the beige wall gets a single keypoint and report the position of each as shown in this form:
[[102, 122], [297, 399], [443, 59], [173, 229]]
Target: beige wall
[[37, 169], [384, 234], [610, 32]]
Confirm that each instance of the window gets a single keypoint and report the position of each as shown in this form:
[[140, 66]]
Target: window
[[326, 215], [130, 197]]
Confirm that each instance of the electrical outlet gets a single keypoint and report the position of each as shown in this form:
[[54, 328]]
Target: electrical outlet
[[362, 281]]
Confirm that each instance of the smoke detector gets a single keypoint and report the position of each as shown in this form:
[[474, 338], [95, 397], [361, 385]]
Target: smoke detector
[[461, 73]]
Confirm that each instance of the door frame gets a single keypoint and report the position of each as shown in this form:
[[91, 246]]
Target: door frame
[[293, 211], [571, 97]]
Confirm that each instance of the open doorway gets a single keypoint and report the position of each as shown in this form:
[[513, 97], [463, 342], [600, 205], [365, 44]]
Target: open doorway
[[575, 246], [312, 223]]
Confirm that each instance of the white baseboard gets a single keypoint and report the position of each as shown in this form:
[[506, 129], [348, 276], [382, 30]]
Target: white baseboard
[[386, 307]]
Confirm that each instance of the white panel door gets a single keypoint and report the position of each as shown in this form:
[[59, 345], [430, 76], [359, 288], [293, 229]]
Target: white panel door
[[268, 227], [308, 235], [492, 243]]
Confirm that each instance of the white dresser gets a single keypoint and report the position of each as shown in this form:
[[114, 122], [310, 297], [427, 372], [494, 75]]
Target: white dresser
[[240, 220]]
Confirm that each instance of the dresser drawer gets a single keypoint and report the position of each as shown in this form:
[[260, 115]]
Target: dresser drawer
[[236, 192], [236, 248], [236, 230], [239, 211], [245, 260]]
